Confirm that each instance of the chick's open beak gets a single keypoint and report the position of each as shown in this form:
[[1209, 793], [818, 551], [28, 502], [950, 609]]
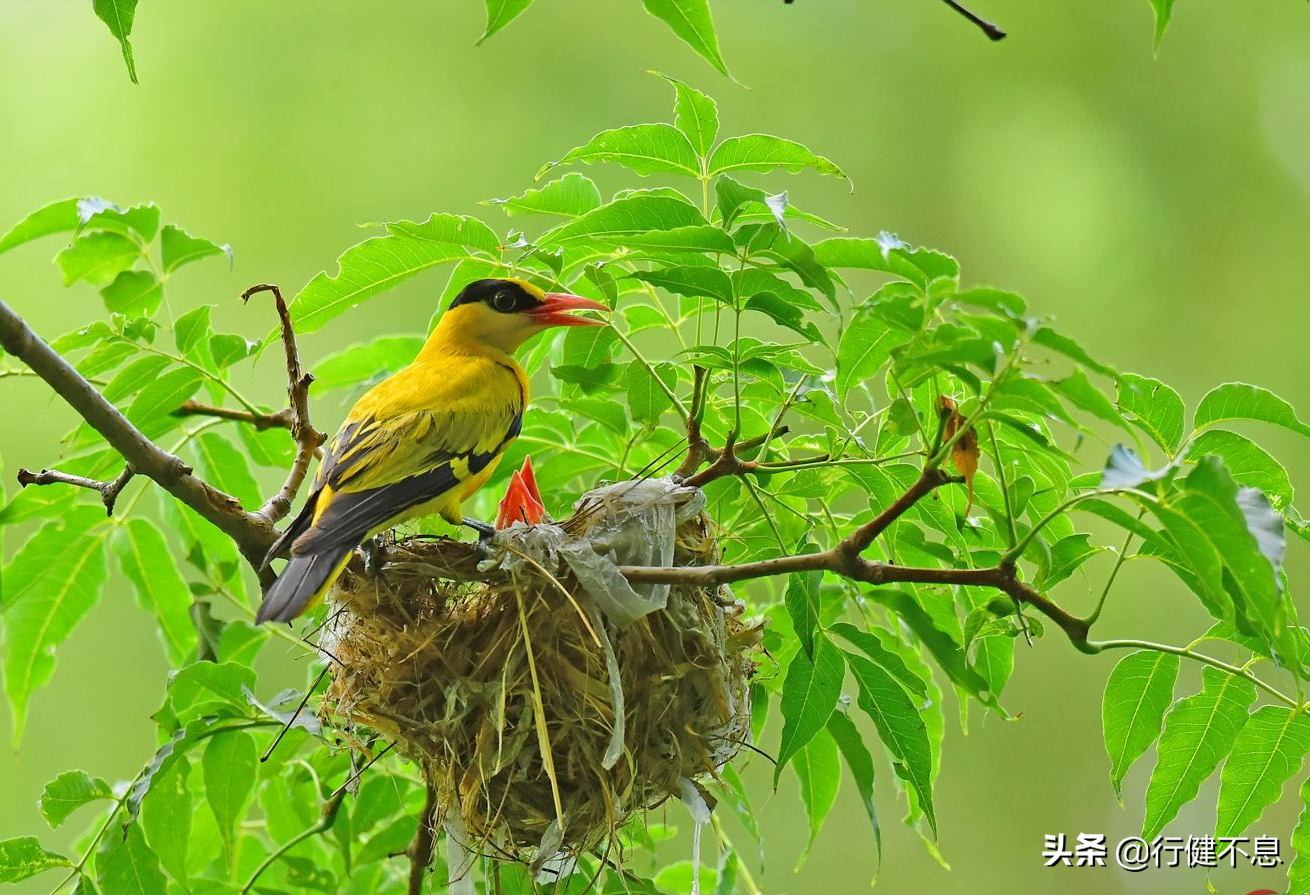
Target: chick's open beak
[[555, 306]]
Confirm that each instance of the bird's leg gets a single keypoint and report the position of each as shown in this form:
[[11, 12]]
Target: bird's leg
[[374, 551], [485, 531]]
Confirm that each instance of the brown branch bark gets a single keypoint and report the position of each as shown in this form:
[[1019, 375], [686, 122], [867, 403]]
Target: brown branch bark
[[283, 419], [250, 532], [991, 30], [420, 850], [109, 491], [308, 439]]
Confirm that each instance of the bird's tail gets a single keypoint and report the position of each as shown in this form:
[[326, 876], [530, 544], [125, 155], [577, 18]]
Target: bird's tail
[[302, 583]]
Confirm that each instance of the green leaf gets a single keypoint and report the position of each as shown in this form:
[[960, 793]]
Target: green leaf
[[572, 195], [192, 330], [205, 688], [944, 647], [365, 363], [802, 600], [900, 727], [731, 195], [1078, 390], [24, 857], [99, 214], [1298, 873], [179, 247], [762, 152], [151, 410], [384, 262], [1247, 537], [57, 217], [1199, 732], [1268, 750], [166, 817], [133, 293], [117, 16], [1062, 344], [642, 148], [888, 255], [68, 792], [646, 400], [871, 644], [1154, 408], [1137, 694], [1239, 401], [1163, 9], [500, 13], [97, 257], [629, 215], [227, 348], [1067, 554], [809, 694], [1248, 463], [225, 467], [818, 768], [127, 866], [50, 586], [697, 238], [865, 346], [690, 20], [228, 767], [148, 563], [692, 282], [860, 763], [695, 114]]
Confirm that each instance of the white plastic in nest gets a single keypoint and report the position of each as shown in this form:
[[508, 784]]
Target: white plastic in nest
[[628, 524]]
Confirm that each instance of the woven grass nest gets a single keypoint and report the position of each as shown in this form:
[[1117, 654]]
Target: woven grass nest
[[551, 704]]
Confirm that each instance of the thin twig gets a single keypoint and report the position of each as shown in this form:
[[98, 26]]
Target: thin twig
[[420, 850], [283, 419], [988, 28], [109, 491], [330, 810], [698, 449], [308, 439]]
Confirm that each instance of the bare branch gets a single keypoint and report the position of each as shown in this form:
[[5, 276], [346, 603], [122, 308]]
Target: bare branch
[[420, 849], [251, 533], [109, 491], [283, 419], [988, 28], [698, 449], [308, 439]]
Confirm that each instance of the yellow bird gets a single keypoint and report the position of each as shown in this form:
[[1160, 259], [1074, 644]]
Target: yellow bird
[[422, 440]]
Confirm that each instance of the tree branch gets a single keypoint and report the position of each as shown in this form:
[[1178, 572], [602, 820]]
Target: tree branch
[[283, 419], [251, 533], [698, 449], [109, 491], [991, 30], [308, 439], [420, 850]]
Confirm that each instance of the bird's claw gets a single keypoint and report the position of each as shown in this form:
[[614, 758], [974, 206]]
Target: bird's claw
[[374, 556], [485, 532]]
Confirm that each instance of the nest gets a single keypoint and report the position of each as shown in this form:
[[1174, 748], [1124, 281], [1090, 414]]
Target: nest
[[549, 705]]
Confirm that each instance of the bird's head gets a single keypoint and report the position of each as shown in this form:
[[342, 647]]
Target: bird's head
[[504, 313]]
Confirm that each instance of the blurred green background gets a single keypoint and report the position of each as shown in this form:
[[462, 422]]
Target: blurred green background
[[1158, 206]]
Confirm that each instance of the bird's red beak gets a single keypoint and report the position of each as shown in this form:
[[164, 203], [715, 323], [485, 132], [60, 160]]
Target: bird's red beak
[[555, 306]]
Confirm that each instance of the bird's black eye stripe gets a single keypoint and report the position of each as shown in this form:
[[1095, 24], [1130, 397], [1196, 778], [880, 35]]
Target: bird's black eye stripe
[[504, 296]]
